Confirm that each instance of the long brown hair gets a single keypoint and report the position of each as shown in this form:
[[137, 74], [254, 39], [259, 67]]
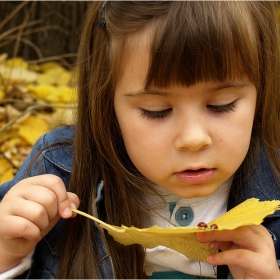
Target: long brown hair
[[191, 42]]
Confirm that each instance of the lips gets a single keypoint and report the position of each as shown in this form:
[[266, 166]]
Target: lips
[[197, 176]]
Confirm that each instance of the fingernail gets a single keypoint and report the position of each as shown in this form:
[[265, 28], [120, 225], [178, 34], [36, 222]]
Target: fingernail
[[67, 212], [199, 234], [73, 205], [210, 258]]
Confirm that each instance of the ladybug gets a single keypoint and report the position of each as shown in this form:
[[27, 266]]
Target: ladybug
[[202, 225], [214, 226]]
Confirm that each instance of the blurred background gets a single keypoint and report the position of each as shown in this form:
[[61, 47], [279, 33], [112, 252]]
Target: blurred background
[[38, 47], [38, 30]]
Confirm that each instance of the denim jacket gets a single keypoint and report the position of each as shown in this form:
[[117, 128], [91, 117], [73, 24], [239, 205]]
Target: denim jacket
[[57, 160]]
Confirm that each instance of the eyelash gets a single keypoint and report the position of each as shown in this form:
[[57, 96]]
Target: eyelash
[[152, 115], [218, 109]]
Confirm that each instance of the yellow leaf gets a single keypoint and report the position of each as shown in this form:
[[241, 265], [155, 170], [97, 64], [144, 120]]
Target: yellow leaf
[[6, 171], [7, 176], [2, 94], [182, 239], [44, 67], [32, 128], [250, 212], [3, 58], [16, 62], [62, 116], [179, 239], [62, 94], [54, 94], [18, 74], [14, 141], [55, 76], [4, 165], [6, 134]]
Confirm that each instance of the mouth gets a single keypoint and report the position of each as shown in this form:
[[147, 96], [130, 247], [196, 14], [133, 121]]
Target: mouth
[[195, 176], [195, 172]]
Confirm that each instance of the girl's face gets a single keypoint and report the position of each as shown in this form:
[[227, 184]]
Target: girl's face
[[188, 140]]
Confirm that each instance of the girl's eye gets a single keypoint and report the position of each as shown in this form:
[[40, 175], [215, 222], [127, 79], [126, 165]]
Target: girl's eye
[[152, 115], [223, 108]]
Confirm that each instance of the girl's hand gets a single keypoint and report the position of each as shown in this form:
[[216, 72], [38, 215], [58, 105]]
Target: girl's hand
[[248, 251], [28, 212]]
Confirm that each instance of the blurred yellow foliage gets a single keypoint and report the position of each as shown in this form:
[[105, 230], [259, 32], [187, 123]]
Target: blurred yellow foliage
[[6, 171], [2, 94], [55, 76], [32, 128], [33, 100], [48, 66], [53, 94], [16, 62], [18, 74]]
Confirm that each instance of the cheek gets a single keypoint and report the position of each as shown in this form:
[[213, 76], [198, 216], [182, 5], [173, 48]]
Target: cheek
[[236, 136], [137, 149], [139, 141], [138, 134], [143, 144], [131, 133]]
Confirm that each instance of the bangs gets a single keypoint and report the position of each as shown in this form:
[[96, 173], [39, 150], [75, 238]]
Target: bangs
[[202, 41]]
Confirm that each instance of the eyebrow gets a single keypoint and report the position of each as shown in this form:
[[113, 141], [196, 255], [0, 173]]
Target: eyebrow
[[160, 92], [147, 92], [227, 85]]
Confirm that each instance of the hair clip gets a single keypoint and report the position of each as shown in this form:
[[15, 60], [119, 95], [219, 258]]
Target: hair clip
[[102, 22]]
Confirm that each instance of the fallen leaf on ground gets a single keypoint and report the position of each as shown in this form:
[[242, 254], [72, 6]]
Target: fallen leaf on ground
[[24, 90], [55, 76], [32, 128], [54, 94], [18, 74]]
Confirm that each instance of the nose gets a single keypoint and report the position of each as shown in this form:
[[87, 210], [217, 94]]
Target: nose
[[193, 135]]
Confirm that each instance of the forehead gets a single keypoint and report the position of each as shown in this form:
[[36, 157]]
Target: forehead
[[135, 67], [135, 61], [187, 57]]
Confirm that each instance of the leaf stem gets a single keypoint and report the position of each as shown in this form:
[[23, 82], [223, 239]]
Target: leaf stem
[[104, 225]]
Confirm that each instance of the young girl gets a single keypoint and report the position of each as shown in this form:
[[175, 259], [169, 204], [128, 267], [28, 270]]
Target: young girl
[[178, 121]]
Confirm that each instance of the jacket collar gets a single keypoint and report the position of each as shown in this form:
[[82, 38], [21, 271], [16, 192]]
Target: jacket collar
[[61, 156]]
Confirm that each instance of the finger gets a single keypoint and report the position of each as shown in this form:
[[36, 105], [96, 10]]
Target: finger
[[253, 265], [239, 257], [56, 185], [75, 202], [246, 236], [16, 227], [40, 195], [31, 211], [218, 245]]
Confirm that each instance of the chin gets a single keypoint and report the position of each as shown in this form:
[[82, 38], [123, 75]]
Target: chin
[[194, 194]]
